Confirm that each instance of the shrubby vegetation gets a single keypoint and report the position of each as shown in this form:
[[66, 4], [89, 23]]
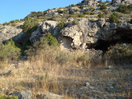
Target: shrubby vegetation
[[103, 6], [63, 58], [8, 97], [36, 14], [120, 53], [114, 18], [61, 25], [9, 51], [124, 8], [50, 40], [29, 26]]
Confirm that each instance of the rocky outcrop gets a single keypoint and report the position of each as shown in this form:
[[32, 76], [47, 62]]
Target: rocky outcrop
[[8, 32], [23, 94], [89, 32], [92, 3], [119, 2], [48, 96], [45, 27], [85, 33]]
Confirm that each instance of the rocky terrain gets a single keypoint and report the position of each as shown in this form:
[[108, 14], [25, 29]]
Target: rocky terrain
[[82, 51]]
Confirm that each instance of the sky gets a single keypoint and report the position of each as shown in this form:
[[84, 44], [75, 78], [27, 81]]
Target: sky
[[18, 9]]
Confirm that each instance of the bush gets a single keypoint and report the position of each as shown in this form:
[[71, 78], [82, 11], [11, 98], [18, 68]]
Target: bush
[[84, 59], [61, 11], [114, 18], [120, 53], [89, 13], [29, 26], [8, 97], [80, 15], [101, 15], [81, 6], [61, 25], [63, 58], [103, 6], [9, 51], [51, 40], [124, 9], [75, 22]]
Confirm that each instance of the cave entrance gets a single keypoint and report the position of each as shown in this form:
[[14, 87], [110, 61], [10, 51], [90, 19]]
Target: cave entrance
[[124, 36]]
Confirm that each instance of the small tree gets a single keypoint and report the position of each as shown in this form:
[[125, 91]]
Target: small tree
[[114, 18], [29, 25]]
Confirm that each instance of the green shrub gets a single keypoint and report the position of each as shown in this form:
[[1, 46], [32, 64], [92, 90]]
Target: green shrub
[[84, 58], [101, 15], [36, 14], [8, 97], [80, 15], [61, 11], [9, 50], [89, 12], [81, 6], [29, 26], [103, 6], [114, 18], [61, 25], [120, 53], [75, 22], [63, 58], [124, 9], [51, 40]]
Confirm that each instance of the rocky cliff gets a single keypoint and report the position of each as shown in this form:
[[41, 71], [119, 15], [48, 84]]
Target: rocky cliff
[[87, 25]]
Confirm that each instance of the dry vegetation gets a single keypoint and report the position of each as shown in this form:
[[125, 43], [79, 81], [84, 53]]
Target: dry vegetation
[[42, 73]]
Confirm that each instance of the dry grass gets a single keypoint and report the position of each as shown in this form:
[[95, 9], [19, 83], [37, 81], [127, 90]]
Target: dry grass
[[42, 73]]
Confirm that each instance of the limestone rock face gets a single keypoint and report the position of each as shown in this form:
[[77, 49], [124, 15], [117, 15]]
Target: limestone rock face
[[23, 94], [89, 2], [49, 26], [86, 33], [89, 32], [45, 27], [118, 2], [8, 32]]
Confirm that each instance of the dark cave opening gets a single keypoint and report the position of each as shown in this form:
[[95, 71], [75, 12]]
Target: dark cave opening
[[124, 36]]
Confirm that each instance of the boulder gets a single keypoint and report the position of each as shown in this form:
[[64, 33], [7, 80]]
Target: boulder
[[88, 32], [49, 26], [45, 27], [23, 94], [119, 2], [92, 3], [7, 32], [48, 96]]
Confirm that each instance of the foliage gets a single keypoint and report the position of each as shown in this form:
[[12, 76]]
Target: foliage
[[9, 51], [61, 25], [61, 11], [63, 58], [50, 40], [36, 14], [114, 18], [29, 26], [124, 8], [80, 15], [101, 15], [83, 58], [81, 6], [103, 6], [89, 12], [8, 97], [120, 53], [75, 22]]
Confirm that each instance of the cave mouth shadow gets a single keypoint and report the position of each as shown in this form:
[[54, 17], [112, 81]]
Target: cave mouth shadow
[[124, 36]]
